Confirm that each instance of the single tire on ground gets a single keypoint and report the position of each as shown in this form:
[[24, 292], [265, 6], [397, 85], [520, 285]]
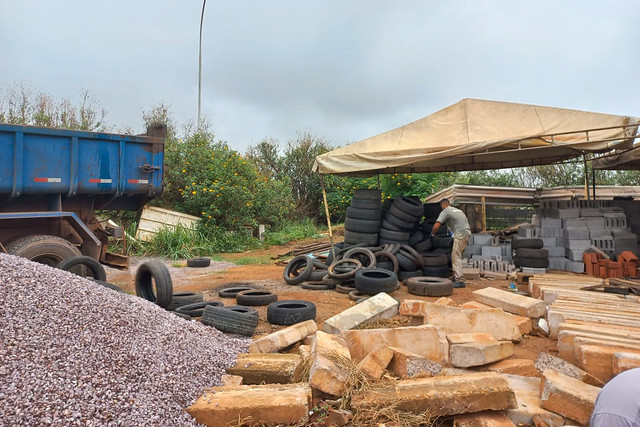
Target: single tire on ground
[[430, 286], [372, 281], [45, 249], [232, 319], [197, 308], [92, 265], [184, 298], [256, 297], [436, 271], [199, 262], [232, 291], [290, 312], [154, 272], [532, 253], [298, 270], [526, 243]]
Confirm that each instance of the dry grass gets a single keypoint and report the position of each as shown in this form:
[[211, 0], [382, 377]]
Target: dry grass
[[394, 322]]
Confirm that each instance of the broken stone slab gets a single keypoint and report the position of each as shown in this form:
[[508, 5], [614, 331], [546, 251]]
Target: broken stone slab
[[556, 316], [268, 404], [445, 301], [470, 338], [522, 367], [375, 363], [548, 361], [283, 338], [527, 391], [567, 396], [455, 320], [474, 305], [442, 396], [525, 324], [483, 419], [425, 340], [511, 302], [406, 364], [304, 351], [623, 361], [380, 306], [231, 380], [598, 359], [338, 417], [325, 374], [269, 368], [479, 353]]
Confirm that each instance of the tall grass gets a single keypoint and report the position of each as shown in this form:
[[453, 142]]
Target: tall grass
[[292, 231]]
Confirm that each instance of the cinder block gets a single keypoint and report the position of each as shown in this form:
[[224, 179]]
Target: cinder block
[[573, 233], [269, 404], [569, 213], [555, 251], [532, 270], [442, 395], [491, 252], [471, 250], [595, 223], [598, 233], [558, 263], [482, 239], [527, 232], [567, 396], [283, 338], [380, 306], [549, 241], [551, 223], [575, 266], [578, 244]]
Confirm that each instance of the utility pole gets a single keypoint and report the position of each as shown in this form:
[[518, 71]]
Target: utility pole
[[204, 3]]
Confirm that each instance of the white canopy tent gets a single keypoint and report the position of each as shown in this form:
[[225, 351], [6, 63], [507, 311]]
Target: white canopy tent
[[477, 134]]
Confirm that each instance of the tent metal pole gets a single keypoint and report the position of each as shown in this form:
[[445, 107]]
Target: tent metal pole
[[326, 212], [586, 177], [593, 180]]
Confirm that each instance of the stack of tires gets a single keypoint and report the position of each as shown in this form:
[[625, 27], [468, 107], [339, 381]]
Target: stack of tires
[[529, 253], [435, 265], [363, 218], [402, 218]]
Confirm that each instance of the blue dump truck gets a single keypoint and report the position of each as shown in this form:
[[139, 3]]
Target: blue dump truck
[[53, 180]]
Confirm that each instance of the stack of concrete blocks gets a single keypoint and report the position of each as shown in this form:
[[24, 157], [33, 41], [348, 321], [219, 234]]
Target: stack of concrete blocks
[[631, 209], [568, 228], [488, 255]]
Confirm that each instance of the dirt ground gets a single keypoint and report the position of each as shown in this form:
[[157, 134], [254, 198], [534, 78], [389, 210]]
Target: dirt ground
[[221, 274]]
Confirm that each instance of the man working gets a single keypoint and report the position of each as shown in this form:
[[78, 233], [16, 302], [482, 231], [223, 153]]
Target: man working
[[618, 403], [457, 222]]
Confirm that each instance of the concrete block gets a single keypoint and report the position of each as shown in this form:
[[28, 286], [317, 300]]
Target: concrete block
[[567, 396], [283, 338], [532, 270], [551, 222], [483, 419], [491, 252], [576, 233], [454, 320], [528, 232], [482, 239], [547, 361], [569, 213], [380, 306], [230, 380], [551, 242], [527, 391], [268, 404], [547, 232], [441, 396], [555, 251], [595, 223], [479, 353], [374, 364], [574, 254], [269, 368], [578, 243], [511, 302], [406, 364], [623, 361], [471, 273], [425, 340], [575, 266], [522, 367], [470, 250], [598, 233], [558, 263]]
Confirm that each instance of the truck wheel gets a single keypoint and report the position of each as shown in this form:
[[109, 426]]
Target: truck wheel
[[49, 250], [93, 266]]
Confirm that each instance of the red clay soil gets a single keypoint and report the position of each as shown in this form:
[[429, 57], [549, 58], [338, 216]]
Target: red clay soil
[[328, 303]]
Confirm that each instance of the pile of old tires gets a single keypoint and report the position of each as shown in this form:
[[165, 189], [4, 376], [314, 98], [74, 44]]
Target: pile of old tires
[[363, 218], [401, 220], [529, 253]]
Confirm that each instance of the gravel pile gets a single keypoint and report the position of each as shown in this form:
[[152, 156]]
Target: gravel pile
[[76, 353]]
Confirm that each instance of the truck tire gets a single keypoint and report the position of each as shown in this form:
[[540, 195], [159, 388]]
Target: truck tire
[[409, 205], [184, 298], [256, 297], [233, 320], [150, 272], [92, 265], [365, 204], [367, 193], [49, 250], [290, 312], [430, 286]]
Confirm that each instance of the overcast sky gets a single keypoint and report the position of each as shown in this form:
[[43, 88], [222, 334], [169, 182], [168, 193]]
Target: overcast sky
[[343, 70]]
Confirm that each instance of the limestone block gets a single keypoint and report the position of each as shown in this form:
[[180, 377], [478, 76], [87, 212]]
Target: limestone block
[[374, 364], [324, 374], [231, 380], [483, 419], [511, 302], [623, 361], [598, 359], [547, 361], [469, 338], [522, 367], [406, 364], [304, 351], [425, 340], [474, 305], [567, 396], [445, 301], [479, 353], [442, 396], [283, 338], [525, 324], [567, 342], [527, 391], [380, 306], [268, 404], [269, 368]]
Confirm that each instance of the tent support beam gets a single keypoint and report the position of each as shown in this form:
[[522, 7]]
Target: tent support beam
[[326, 212], [586, 177], [593, 180]]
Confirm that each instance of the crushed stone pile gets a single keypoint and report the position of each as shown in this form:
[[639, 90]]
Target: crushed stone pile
[[75, 353]]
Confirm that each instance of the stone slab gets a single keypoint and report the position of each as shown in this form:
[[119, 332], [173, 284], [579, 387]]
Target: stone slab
[[470, 338], [479, 353], [525, 324], [522, 367], [380, 306], [511, 302], [623, 361], [374, 364], [269, 404], [527, 391], [231, 380], [269, 368], [406, 364], [567, 396], [424, 340], [283, 338], [325, 374], [598, 359], [442, 396], [483, 419], [548, 361]]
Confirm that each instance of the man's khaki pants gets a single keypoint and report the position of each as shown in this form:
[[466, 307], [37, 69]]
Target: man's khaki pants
[[459, 243]]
